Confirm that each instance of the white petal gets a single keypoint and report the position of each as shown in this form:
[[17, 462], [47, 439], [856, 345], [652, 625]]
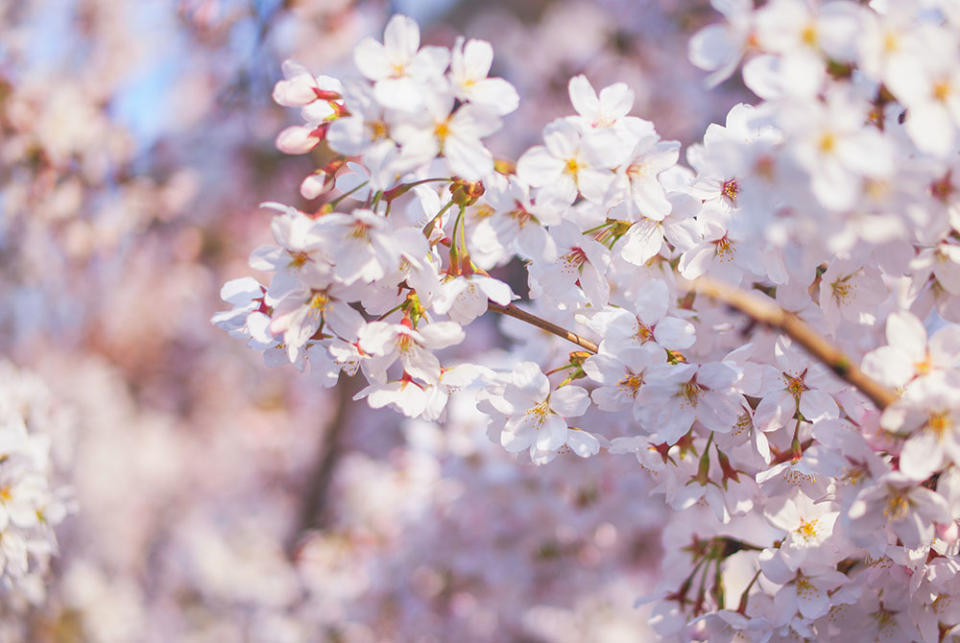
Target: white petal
[[643, 242], [403, 94], [774, 411], [583, 97], [816, 405], [552, 434], [652, 302], [468, 158], [582, 443], [402, 36], [240, 291], [616, 101], [538, 167], [570, 401], [675, 334], [371, 59]]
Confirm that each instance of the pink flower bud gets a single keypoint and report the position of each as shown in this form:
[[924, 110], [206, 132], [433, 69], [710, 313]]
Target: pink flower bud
[[315, 185], [296, 140]]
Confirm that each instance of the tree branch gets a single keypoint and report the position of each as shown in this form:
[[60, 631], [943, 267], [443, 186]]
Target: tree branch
[[774, 316], [314, 508], [512, 311]]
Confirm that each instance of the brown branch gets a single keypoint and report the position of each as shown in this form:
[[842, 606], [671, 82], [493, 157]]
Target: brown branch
[[314, 508], [770, 314], [512, 311]]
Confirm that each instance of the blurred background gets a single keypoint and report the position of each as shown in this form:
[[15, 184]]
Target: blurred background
[[221, 500]]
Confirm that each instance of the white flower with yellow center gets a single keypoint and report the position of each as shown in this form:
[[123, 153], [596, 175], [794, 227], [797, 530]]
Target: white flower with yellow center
[[401, 71], [536, 416], [808, 526]]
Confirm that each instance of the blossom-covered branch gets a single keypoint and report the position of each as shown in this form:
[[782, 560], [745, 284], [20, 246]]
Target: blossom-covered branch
[[769, 314], [841, 175]]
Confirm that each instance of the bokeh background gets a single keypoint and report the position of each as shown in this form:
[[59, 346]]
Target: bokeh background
[[221, 500]]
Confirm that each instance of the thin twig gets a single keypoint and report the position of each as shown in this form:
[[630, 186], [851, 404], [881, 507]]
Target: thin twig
[[512, 311], [774, 316]]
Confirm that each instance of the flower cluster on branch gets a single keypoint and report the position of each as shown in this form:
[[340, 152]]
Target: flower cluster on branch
[[770, 328]]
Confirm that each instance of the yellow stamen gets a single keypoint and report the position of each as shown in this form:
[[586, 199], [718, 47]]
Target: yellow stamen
[[540, 413], [359, 231], [941, 91], [405, 343], [632, 383], [690, 391], [724, 249], [644, 333], [897, 507], [298, 259], [939, 423], [827, 143], [730, 189], [795, 384], [891, 42], [805, 587], [842, 290], [378, 130], [807, 530]]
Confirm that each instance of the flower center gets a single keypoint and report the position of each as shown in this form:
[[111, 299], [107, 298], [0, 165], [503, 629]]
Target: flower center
[[729, 190], [520, 215], [808, 530], [763, 167], [539, 413], [297, 259], [891, 42], [942, 188], [359, 232], [405, 343], [378, 130], [941, 91], [939, 423], [795, 384], [575, 258], [632, 383], [805, 588], [690, 391], [827, 143], [897, 507], [644, 333], [724, 248], [842, 290]]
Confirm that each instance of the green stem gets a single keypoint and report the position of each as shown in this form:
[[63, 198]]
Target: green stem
[[343, 196], [744, 596], [427, 229]]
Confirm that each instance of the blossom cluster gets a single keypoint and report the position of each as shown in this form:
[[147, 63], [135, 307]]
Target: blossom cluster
[[31, 502], [806, 504]]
